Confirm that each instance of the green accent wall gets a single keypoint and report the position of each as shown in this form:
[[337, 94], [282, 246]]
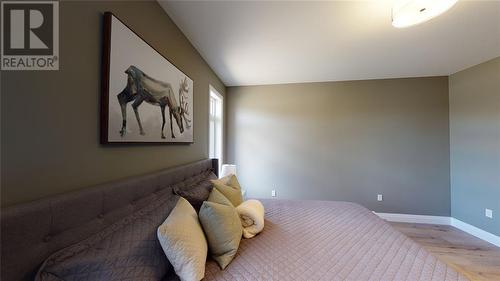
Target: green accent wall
[[475, 145], [345, 141], [50, 119]]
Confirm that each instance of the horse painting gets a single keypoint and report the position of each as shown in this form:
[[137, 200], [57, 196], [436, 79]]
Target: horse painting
[[143, 88]]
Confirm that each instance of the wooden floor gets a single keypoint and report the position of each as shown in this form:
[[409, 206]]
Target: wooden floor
[[473, 257]]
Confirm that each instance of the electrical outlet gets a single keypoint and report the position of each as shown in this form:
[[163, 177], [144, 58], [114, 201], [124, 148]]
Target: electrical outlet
[[379, 197], [273, 193], [488, 213]]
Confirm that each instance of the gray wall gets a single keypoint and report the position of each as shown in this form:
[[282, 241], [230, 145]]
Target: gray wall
[[345, 141], [475, 144], [50, 120]]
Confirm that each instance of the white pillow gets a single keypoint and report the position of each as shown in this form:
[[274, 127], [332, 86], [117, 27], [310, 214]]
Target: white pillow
[[183, 242]]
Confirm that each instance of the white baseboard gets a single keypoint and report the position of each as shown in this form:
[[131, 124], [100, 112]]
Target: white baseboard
[[479, 233], [472, 230], [414, 218]]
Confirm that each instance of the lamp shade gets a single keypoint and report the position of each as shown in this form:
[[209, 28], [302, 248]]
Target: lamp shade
[[228, 169], [411, 12]]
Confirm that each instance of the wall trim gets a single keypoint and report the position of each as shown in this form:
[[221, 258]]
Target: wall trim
[[468, 228], [475, 231]]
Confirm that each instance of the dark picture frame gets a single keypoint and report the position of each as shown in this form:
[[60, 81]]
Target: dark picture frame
[[138, 80]]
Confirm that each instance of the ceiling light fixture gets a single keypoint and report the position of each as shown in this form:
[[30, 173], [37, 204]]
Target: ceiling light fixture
[[411, 12]]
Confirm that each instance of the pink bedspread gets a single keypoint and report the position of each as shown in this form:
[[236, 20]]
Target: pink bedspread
[[329, 240]]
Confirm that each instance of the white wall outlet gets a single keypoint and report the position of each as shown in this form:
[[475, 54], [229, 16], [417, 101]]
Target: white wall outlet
[[273, 193], [488, 213], [379, 197]]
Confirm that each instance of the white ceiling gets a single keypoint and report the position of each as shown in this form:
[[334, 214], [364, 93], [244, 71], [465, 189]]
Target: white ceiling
[[249, 43]]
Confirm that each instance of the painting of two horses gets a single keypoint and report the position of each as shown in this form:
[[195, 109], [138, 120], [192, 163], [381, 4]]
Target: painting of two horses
[[146, 99]]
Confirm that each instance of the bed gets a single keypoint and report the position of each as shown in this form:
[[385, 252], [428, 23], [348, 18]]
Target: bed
[[302, 240], [329, 240]]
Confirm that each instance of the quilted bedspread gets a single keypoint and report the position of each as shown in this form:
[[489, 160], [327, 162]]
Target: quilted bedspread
[[329, 240]]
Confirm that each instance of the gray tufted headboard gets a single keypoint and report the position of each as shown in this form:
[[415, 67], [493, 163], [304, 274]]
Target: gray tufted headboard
[[31, 232]]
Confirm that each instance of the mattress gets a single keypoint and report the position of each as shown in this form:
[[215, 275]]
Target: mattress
[[329, 240]]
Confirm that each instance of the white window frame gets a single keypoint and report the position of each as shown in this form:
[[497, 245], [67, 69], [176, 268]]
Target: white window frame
[[219, 128]]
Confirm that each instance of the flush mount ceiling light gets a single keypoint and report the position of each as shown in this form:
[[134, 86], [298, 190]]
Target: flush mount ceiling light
[[411, 12]]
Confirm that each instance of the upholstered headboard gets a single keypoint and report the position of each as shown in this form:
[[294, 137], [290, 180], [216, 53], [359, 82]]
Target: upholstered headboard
[[31, 232]]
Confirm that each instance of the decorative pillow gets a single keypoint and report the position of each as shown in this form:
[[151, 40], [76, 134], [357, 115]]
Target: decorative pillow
[[217, 197], [222, 227], [196, 194], [196, 189], [183, 242], [230, 188], [125, 250]]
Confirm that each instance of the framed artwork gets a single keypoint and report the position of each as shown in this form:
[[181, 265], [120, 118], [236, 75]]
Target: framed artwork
[[145, 98]]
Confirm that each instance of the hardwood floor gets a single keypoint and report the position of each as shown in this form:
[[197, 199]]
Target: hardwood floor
[[473, 257]]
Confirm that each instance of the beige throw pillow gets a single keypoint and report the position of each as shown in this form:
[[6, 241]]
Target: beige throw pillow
[[222, 227], [183, 242], [230, 188]]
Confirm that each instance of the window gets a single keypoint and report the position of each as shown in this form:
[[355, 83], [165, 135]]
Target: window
[[215, 125]]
